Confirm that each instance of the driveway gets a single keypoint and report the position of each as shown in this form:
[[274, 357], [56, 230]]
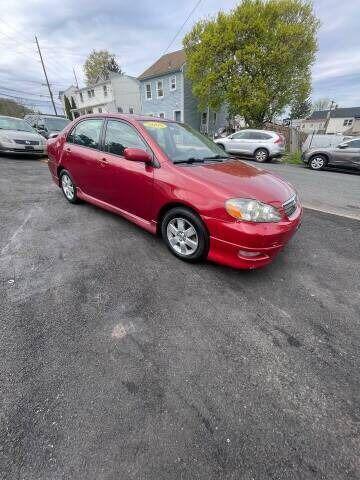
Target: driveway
[[118, 361]]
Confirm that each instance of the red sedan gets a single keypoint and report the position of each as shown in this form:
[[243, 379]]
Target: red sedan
[[171, 180]]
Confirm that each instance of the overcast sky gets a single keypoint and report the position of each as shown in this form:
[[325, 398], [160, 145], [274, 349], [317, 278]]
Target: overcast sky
[[138, 32]]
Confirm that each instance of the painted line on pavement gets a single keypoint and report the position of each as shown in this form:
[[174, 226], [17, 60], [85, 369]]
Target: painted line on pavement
[[332, 212]]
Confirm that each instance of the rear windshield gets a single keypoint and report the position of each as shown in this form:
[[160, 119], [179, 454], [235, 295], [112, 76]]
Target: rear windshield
[[180, 142]]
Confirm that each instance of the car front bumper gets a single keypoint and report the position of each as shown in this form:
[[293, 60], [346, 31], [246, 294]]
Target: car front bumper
[[20, 149], [246, 245]]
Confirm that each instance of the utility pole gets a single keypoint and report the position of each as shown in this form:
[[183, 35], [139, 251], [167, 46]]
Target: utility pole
[[328, 116], [76, 80], [46, 77]]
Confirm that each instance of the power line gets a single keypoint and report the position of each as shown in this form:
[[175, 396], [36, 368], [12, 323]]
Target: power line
[[22, 91], [182, 26]]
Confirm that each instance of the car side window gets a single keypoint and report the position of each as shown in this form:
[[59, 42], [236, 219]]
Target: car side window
[[120, 135], [240, 135], [86, 133], [354, 144], [259, 136]]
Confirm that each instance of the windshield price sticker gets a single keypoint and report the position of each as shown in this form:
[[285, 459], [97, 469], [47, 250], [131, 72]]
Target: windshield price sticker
[[155, 125]]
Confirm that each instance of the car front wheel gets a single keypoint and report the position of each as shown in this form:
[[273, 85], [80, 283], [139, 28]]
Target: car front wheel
[[317, 162], [185, 234], [68, 187]]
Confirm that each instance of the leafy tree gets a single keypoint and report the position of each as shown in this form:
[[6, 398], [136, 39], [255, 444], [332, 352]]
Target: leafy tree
[[73, 104], [300, 108], [256, 58], [67, 107], [99, 64], [321, 104]]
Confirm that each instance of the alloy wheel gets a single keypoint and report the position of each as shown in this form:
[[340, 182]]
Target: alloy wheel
[[317, 163], [67, 186], [182, 236], [261, 156]]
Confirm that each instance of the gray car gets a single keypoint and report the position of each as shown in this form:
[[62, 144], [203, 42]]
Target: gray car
[[262, 145], [346, 154], [47, 125], [17, 136]]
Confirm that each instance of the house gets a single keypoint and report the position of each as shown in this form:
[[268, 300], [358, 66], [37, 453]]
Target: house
[[166, 93], [337, 121], [117, 93]]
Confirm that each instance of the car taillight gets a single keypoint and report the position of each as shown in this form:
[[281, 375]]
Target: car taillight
[[280, 139]]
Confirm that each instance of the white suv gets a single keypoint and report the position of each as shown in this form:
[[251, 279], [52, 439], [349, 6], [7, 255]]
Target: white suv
[[263, 145]]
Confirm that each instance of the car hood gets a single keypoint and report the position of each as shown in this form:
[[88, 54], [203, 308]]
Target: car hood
[[236, 179], [20, 135]]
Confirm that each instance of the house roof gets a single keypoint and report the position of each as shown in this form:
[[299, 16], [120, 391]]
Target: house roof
[[349, 112], [168, 63]]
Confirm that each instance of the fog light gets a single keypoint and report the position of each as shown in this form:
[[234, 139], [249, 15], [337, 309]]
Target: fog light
[[244, 253]]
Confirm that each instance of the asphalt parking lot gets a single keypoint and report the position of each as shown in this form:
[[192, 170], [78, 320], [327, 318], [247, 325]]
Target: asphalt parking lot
[[118, 361]]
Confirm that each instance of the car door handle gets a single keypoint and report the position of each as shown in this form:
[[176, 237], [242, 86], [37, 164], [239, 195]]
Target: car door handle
[[68, 149]]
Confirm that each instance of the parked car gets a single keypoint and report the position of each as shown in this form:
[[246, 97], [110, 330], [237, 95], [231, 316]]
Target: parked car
[[346, 154], [47, 125], [16, 136], [262, 145], [170, 179]]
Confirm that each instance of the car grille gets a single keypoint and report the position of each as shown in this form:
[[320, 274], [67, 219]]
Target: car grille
[[27, 142], [290, 206]]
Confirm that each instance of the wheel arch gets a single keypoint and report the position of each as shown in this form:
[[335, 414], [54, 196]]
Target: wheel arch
[[169, 206]]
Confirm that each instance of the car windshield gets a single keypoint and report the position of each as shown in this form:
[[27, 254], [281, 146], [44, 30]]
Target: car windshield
[[56, 124], [183, 144], [7, 123]]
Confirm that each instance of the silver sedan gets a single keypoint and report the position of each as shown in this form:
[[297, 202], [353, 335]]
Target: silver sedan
[[16, 136]]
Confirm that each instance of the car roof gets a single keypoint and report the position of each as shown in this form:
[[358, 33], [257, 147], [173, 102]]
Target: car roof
[[127, 116], [257, 130]]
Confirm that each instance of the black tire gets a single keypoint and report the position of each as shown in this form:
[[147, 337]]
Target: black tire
[[261, 155], [317, 162], [65, 174], [202, 236]]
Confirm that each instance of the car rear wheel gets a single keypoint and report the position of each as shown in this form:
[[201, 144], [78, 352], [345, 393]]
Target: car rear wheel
[[261, 155], [68, 187], [317, 162], [185, 234]]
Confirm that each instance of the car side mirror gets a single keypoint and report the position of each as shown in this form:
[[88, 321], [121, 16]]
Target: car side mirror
[[343, 145], [137, 155]]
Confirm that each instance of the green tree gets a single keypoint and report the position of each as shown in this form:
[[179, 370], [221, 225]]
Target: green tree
[[73, 104], [67, 107], [255, 58], [99, 64], [13, 109]]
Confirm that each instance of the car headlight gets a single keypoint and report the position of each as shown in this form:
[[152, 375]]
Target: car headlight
[[6, 139], [251, 210]]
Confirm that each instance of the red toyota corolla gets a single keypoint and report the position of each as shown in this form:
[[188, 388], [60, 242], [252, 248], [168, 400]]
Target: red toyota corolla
[[169, 179]]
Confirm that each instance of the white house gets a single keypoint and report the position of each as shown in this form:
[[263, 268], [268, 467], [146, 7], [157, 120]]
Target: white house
[[340, 121], [119, 93]]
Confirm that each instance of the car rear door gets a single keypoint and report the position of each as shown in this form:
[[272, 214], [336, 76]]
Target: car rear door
[[83, 156], [127, 185]]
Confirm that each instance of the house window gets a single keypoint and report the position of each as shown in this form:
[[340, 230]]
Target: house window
[[89, 110], [173, 83], [204, 118], [120, 110], [148, 91], [81, 97], [131, 110], [91, 93], [214, 118], [161, 115], [348, 122], [177, 115], [105, 90], [160, 89], [100, 110]]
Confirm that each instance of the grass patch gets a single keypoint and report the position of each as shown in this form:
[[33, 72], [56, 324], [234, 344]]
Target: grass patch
[[293, 158]]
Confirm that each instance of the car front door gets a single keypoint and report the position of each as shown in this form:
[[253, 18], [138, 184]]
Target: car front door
[[83, 156], [128, 185], [348, 155], [239, 142]]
